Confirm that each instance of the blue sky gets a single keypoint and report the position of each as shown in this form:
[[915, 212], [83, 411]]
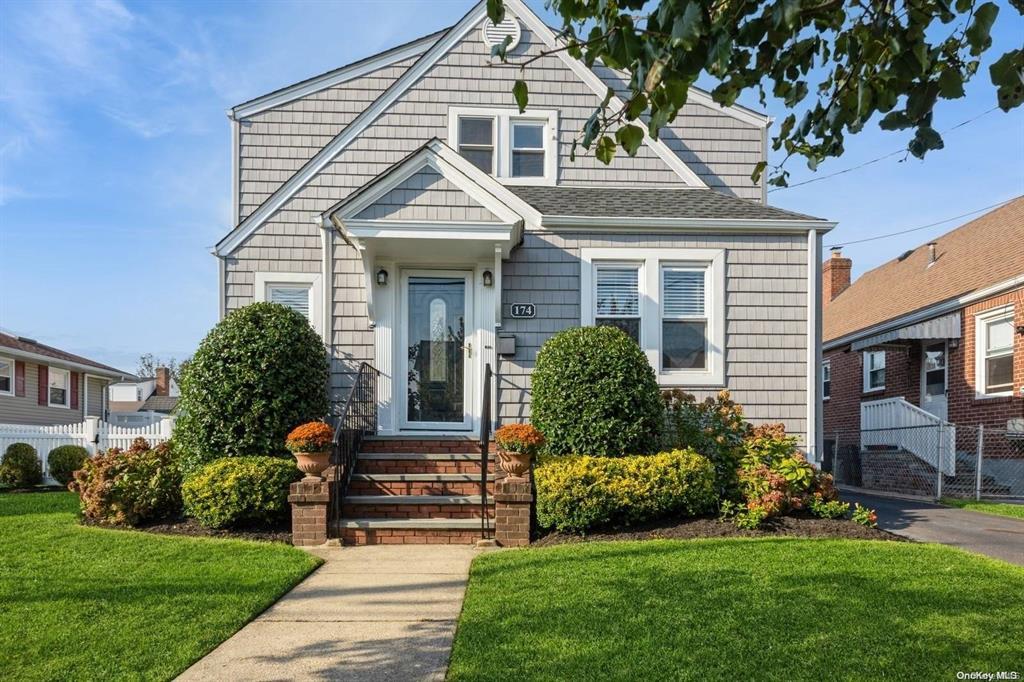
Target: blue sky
[[115, 155]]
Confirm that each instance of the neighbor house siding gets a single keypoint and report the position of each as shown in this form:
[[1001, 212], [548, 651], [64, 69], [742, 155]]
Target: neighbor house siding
[[27, 410], [766, 315], [95, 388]]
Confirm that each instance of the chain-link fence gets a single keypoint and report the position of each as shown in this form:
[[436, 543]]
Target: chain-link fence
[[932, 461]]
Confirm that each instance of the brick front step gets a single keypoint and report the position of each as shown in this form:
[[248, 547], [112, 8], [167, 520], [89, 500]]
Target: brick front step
[[411, 532], [420, 444], [417, 484], [420, 463], [413, 507]]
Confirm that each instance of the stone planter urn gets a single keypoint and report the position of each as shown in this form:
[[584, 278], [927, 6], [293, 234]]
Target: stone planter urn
[[312, 464], [515, 464]]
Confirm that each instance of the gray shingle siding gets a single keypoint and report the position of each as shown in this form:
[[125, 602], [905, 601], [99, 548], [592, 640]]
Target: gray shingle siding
[[426, 195], [27, 410]]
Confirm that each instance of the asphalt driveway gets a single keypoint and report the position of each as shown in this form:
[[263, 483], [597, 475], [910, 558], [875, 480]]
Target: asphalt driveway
[[995, 536]]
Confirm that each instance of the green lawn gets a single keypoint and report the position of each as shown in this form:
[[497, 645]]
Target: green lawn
[[735, 609], [1015, 511], [85, 603]]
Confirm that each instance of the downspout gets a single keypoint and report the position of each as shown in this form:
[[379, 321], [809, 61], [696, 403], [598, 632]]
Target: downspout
[[814, 418]]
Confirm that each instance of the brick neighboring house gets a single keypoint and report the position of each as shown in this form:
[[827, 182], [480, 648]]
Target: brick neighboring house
[[941, 328]]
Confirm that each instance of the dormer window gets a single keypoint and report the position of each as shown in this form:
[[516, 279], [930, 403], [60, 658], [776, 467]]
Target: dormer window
[[518, 149]]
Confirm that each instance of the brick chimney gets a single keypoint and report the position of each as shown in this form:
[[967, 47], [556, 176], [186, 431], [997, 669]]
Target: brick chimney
[[835, 276], [163, 381]]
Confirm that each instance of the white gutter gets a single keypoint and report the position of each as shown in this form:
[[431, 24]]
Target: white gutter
[[729, 224], [815, 425], [926, 313]]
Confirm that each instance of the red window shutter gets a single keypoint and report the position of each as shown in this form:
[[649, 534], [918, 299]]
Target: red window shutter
[[44, 384], [19, 378], [74, 390]]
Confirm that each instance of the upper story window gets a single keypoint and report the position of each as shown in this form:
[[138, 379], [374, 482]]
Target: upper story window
[[826, 380], [59, 387], [6, 376], [299, 291], [670, 301], [874, 370], [994, 335], [515, 148]]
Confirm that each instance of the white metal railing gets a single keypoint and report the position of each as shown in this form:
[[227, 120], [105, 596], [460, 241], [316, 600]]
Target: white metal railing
[[893, 422], [92, 434]]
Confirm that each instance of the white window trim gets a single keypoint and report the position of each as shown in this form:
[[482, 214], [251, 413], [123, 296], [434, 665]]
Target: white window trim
[[315, 282], [981, 321], [867, 388], [67, 387], [503, 119], [13, 375], [651, 262], [826, 365]]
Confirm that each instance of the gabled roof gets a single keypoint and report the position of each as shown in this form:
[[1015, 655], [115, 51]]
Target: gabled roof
[[983, 253], [159, 403], [32, 349], [332, 149]]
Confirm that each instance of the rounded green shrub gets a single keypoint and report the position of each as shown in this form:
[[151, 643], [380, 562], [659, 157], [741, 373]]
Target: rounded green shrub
[[130, 487], [595, 393], [575, 494], [258, 374], [21, 467], [237, 491], [64, 460]]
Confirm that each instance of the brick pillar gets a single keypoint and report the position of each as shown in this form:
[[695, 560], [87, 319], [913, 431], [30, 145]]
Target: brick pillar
[[309, 500], [513, 498]]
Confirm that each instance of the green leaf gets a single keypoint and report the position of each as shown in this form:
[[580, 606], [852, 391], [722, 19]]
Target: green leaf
[[630, 137], [1007, 75], [605, 151], [501, 48], [926, 139], [687, 27], [636, 106], [521, 94], [978, 32], [895, 120], [759, 167], [495, 10], [951, 84]]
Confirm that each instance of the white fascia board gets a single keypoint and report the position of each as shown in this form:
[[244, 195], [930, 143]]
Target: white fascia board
[[684, 224], [598, 86], [331, 78], [411, 229], [927, 313], [322, 158]]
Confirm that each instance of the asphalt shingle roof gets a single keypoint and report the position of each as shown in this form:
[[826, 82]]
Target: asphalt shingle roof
[[647, 202], [33, 346], [159, 403], [986, 251]]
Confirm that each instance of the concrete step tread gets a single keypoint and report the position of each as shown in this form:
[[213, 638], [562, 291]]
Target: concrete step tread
[[412, 499], [430, 478], [423, 524], [422, 456], [457, 437]]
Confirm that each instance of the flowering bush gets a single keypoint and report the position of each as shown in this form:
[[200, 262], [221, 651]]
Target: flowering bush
[[130, 486], [309, 437], [521, 438], [713, 427], [865, 516]]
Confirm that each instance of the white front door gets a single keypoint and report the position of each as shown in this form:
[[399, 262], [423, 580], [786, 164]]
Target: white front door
[[934, 378], [434, 350]]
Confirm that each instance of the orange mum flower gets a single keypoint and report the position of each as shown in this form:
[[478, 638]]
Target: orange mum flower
[[310, 437]]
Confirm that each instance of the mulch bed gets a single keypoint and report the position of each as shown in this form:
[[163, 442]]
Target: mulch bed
[[190, 527], [690, 529]]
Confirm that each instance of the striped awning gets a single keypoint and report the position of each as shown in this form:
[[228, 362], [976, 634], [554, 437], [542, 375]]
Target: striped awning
[[945, 327]]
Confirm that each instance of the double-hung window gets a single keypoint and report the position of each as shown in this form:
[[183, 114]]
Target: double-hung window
[[299, 291], [515, 148], [684, 321], [994, 335], [826, 380], [670, 301], [59, 387], [6, 376], [617, 297], [874, 370]]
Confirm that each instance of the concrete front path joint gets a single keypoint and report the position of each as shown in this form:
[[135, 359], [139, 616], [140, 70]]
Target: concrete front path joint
[[995, 536], [384, 612]]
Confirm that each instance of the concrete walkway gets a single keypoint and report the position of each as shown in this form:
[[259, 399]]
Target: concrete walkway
[[385, 612], [995, 536]]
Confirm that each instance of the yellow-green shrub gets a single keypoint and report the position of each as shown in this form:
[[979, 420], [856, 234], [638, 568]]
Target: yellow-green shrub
[[235, 491], [578, 493]]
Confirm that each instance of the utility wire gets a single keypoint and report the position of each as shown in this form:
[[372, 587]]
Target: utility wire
[[922, 227], [880, 158]]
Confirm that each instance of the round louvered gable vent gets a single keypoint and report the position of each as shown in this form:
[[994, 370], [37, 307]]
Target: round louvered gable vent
[[493, 34]]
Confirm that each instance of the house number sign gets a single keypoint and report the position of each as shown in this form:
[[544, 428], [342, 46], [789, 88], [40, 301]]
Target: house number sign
[[524, 310]]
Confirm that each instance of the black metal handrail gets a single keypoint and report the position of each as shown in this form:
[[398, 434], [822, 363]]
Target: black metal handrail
[[485, 442], [358, 418]]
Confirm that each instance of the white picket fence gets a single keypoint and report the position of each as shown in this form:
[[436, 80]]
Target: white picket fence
[[92, 434]]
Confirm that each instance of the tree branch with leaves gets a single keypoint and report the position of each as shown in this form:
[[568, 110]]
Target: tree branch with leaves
[[834, 64]]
